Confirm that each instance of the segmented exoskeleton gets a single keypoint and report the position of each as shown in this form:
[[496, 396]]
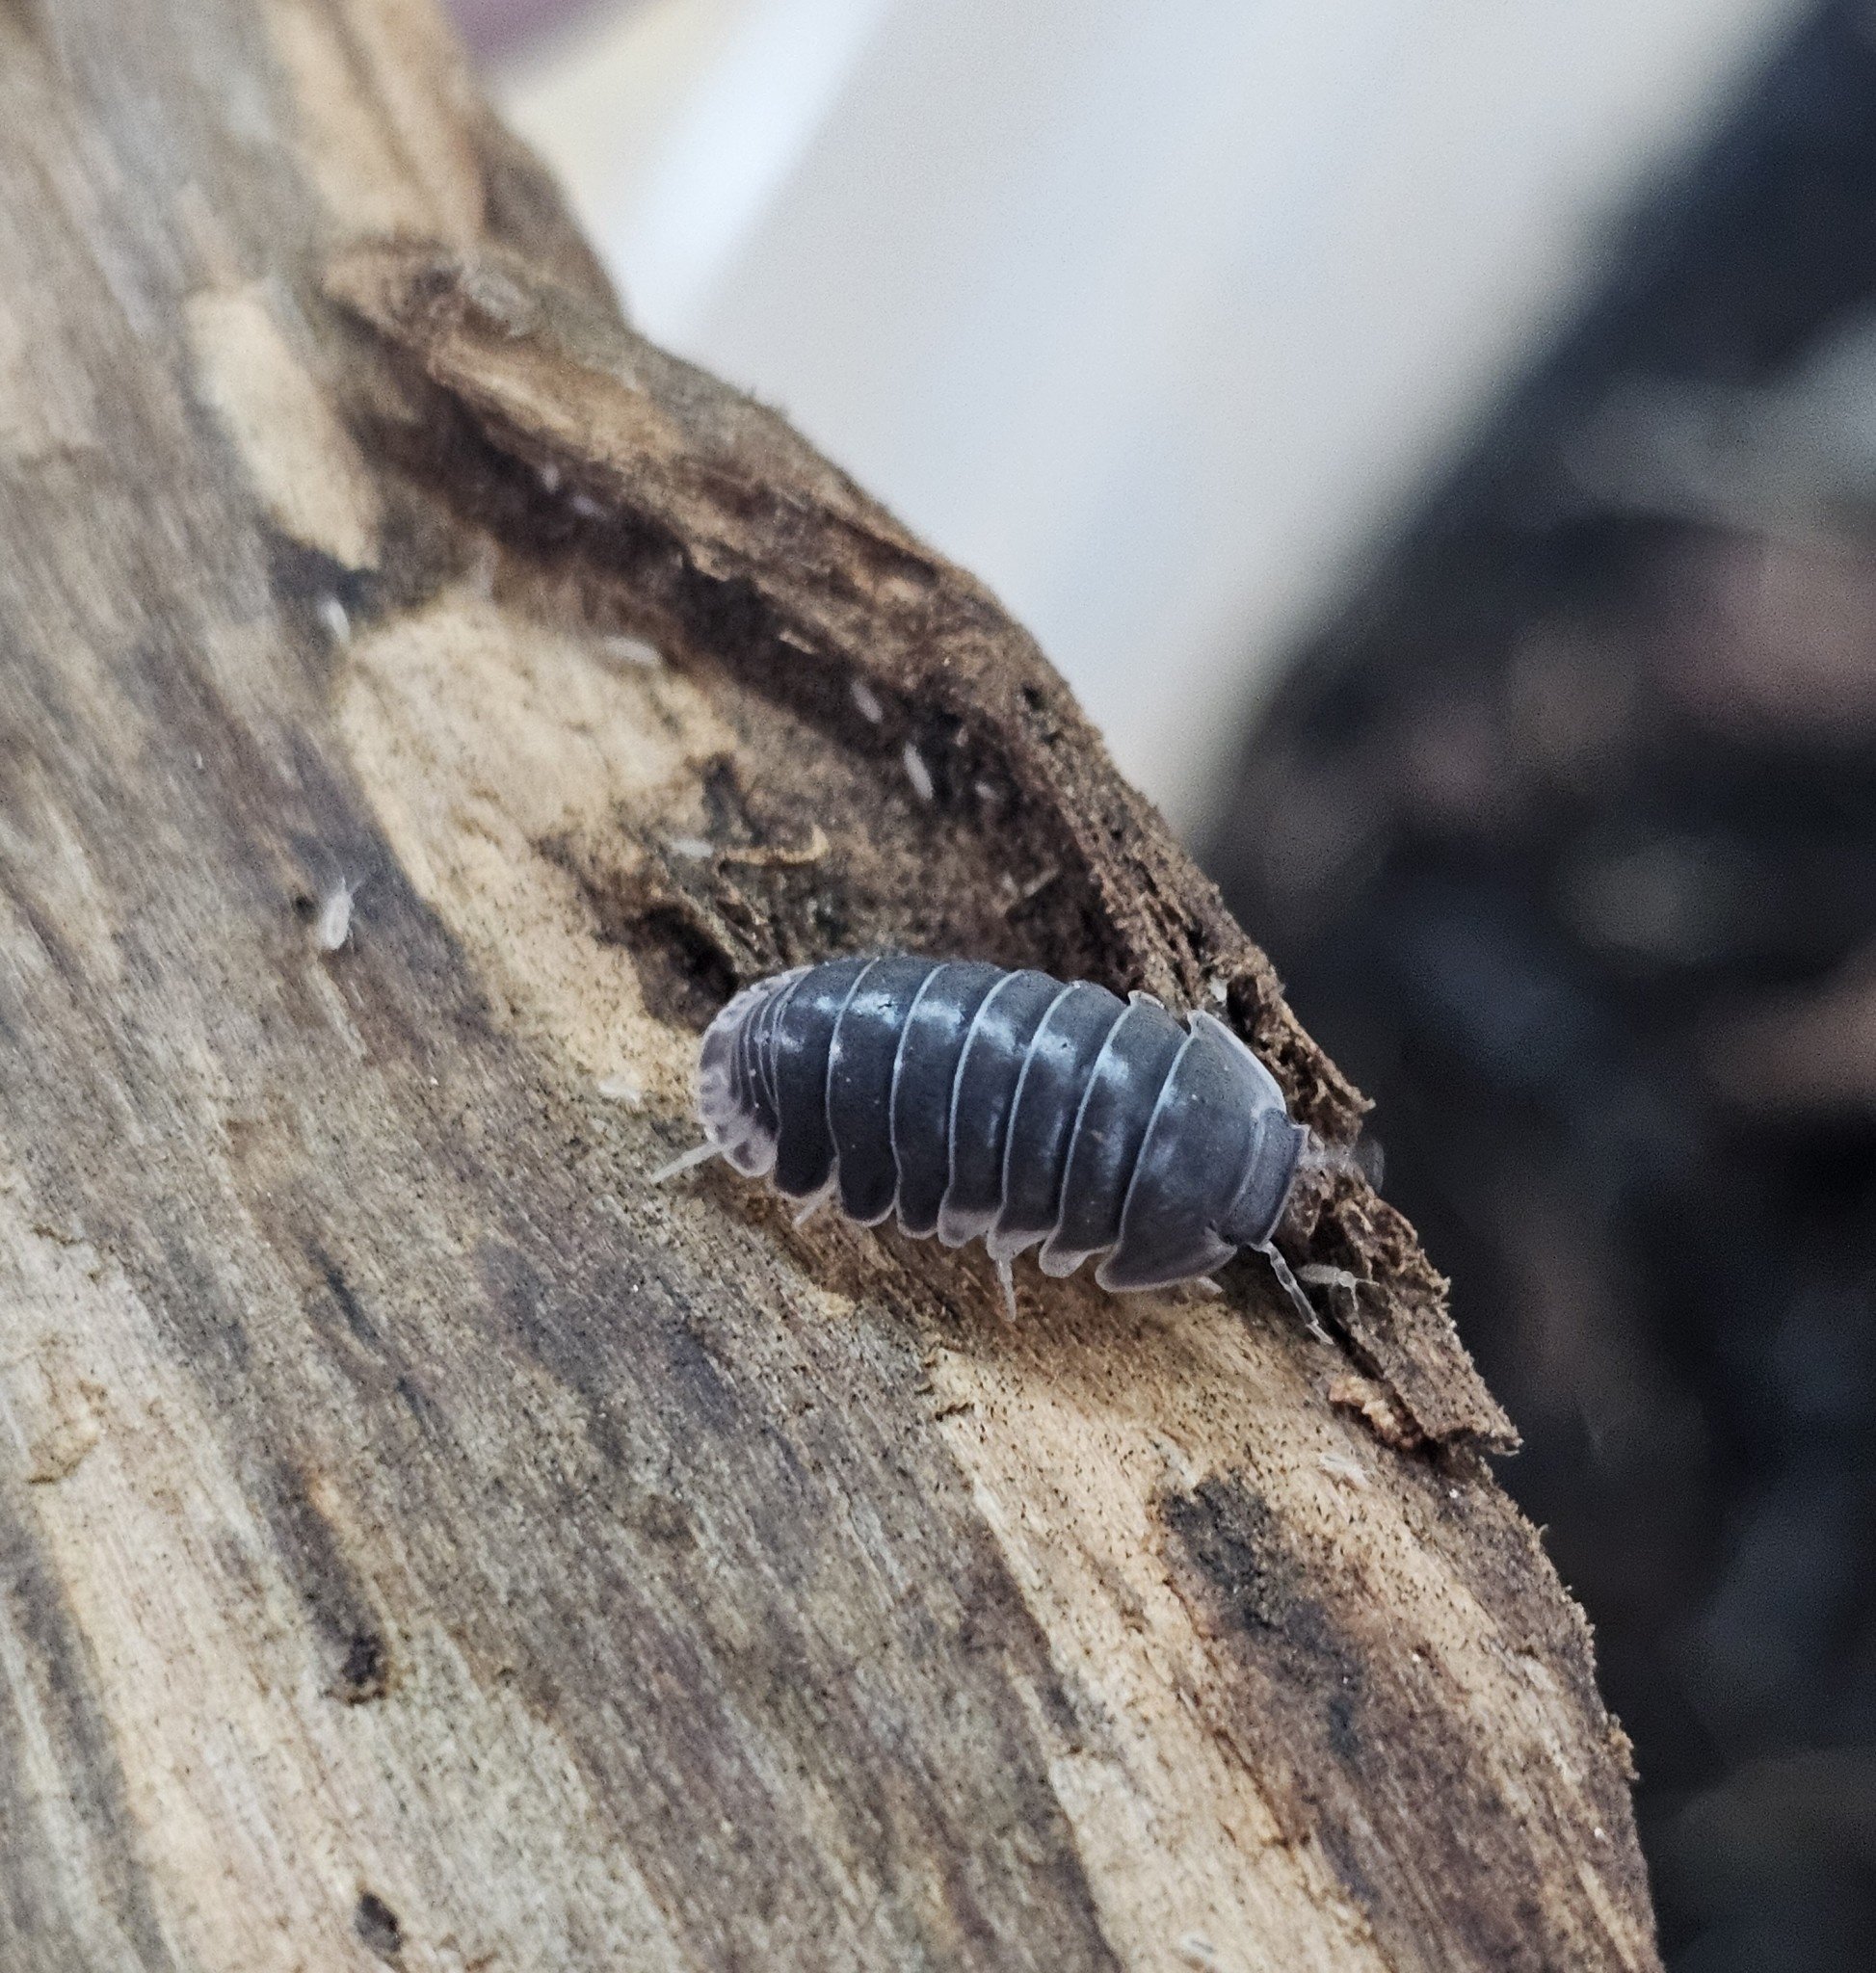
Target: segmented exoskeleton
[[977, 1102]]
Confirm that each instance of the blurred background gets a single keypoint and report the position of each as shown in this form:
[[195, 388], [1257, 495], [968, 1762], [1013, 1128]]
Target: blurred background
[[1437, 440]]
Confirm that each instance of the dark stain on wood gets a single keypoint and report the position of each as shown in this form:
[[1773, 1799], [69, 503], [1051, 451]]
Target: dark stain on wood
[[341, 1609], [377, 1926], [45, 1910], [1347, 1717], [364, 1672], [1232, 1536]]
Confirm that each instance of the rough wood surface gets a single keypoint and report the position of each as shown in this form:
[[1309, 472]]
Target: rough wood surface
[[424, 1543]]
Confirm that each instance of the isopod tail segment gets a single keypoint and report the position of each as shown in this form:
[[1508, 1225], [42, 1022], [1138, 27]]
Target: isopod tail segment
[[1006, 1106], [743, 1135]]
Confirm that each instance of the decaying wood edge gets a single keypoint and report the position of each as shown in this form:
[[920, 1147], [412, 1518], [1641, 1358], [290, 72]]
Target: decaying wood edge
[[645, 451]]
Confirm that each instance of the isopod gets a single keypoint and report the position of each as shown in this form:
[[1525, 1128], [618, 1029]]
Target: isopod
[[976, 1102]]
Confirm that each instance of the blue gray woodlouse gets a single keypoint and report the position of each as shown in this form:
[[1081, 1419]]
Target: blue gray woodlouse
[[977, 1102]]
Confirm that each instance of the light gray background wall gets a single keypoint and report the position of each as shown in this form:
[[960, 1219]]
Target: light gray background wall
[[1154, 312]]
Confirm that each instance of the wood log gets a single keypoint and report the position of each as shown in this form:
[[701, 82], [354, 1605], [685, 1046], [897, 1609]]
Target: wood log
[[426, 1542]]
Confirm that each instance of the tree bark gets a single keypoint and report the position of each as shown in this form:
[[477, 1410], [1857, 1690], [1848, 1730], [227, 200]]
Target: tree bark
[[425, 1541]]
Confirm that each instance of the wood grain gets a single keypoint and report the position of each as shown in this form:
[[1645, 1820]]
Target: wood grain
[[427, 1544]]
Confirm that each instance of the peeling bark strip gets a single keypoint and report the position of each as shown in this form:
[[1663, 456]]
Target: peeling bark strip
[[421, 1544]]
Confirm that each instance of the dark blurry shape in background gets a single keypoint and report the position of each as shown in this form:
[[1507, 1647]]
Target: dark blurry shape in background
[[1563, 836]]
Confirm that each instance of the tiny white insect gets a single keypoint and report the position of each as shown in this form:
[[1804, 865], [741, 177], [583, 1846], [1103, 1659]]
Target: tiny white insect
[[632, 650], [550, 477], [621, 1088], [867, 700], [332, 923], [586, 507], [917, 773], [335, 617]]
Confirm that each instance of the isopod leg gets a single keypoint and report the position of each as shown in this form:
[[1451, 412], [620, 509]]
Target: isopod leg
[[813, 1203], [1006, 1274], [686, 1161], [1293, 1288]]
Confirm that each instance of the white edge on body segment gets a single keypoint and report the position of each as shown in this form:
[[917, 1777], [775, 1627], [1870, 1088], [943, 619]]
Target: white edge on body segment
[[1198, 1025], [948, 1221], [1054, 1261], [826, 1087], [893, 1094], [1140, 1156], [765, 1060], [1004, 1247]]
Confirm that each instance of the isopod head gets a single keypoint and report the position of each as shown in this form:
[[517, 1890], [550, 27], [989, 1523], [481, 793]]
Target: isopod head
[[1215, 1170]]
